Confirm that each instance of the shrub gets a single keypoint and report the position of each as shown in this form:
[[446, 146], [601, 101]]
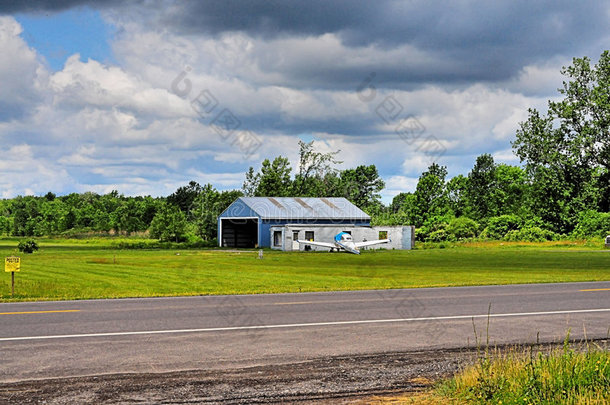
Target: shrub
[[592, 223], [498, 227], [530, 234], [439, 235], [28, 246], [462, 228], [431, 225]]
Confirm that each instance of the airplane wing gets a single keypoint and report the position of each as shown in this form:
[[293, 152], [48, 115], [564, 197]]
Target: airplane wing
[[323, 244], [371, 242]]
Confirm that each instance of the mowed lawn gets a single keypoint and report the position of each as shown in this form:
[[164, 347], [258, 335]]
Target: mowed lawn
[[91, 270]]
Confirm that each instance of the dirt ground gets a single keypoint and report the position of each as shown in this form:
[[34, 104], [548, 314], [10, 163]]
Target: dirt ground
[[335, 380]]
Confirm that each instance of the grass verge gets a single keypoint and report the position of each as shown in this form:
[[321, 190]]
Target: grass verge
[[96, 269], [570, 375]]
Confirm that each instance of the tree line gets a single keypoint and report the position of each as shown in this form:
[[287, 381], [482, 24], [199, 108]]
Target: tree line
[[191, 212], [561, 189]]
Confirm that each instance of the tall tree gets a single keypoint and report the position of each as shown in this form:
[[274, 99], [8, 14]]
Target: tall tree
[[481, 182], [184, 196], [457, 195], [567, 150], [362, 186], [313, 167], [509, 196], [169, 224], [251, 183], [273, 180], [430, 195]]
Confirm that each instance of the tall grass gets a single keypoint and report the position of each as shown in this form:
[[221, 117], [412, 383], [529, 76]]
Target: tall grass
[[521, 376]]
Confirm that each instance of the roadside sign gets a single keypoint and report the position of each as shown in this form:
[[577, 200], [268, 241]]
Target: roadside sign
[[12, 264]]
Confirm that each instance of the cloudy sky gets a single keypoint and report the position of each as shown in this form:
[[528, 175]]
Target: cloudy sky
[[144, 96]]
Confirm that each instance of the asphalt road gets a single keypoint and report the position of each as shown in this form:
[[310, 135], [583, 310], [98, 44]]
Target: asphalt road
[[78, 338]]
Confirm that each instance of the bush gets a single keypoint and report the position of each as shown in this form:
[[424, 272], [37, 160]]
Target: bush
[[153, 244], [498, 227], [592, 223], [462, 228], [432, 225], [28, 246], [439, 235], [530, 234]]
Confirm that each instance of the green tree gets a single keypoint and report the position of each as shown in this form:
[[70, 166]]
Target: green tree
[[127, 217], [480, 186], [313, 167], [567, 150], [208, 206], [169, 224], [401, 202], [509, 196], [272, 181], [52, 212], [5, 225], [184, 196], [25, 213], [362, 186], [430, 195], [457, 195], [251, 183]]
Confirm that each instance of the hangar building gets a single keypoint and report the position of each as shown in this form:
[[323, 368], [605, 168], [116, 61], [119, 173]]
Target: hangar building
[[276, 221]]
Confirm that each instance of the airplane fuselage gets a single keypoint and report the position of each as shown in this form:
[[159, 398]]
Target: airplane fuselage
[[344, 241]]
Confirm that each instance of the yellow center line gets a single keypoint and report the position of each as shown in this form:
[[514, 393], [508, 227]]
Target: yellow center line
[[596, 289], [39, 312]]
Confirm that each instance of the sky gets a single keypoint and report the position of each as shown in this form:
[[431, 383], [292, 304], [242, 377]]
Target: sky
[[144, 96]]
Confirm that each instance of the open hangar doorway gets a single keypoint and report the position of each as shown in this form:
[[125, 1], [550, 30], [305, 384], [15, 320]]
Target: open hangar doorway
[[239, 232]]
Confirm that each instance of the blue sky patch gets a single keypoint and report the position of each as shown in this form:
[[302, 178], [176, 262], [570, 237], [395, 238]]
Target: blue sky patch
[[58, 36]]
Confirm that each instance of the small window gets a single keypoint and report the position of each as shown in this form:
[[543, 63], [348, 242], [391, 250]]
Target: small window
[[383, 234], [277, 238], [309, 235], [295, 235]]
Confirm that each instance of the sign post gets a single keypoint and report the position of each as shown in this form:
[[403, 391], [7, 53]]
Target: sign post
[[12, 264]]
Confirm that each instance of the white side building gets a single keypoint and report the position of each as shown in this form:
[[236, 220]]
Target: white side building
[[284, 237]]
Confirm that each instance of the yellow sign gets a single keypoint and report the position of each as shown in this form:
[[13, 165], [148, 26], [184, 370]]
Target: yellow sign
[[12, 263]]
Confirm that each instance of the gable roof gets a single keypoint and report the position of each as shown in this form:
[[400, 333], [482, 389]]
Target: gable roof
[[305, 208]]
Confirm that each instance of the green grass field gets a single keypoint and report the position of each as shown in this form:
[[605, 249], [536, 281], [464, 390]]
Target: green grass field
[[93, 269]]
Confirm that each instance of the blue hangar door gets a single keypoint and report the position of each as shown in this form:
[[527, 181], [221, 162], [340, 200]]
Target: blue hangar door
[[239, 232]]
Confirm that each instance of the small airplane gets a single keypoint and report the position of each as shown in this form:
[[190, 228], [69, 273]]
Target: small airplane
[[344, 241]]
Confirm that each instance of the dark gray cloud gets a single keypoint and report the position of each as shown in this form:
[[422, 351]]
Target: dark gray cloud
[[467, 41], [474, 41], [544, 26], [43, 6], [274, 17]]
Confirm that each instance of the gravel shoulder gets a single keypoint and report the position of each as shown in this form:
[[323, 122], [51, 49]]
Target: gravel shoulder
[[319, 381], [332, 380]]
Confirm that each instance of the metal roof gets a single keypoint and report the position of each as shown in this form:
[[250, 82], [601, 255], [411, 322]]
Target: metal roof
[[304, 208]]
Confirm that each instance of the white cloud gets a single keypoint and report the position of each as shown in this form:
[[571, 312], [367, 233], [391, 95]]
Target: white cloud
[[398, 184], [21, 73], [99, 127], [93, 84], [25, 172], [540, 79], [506, 156]]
